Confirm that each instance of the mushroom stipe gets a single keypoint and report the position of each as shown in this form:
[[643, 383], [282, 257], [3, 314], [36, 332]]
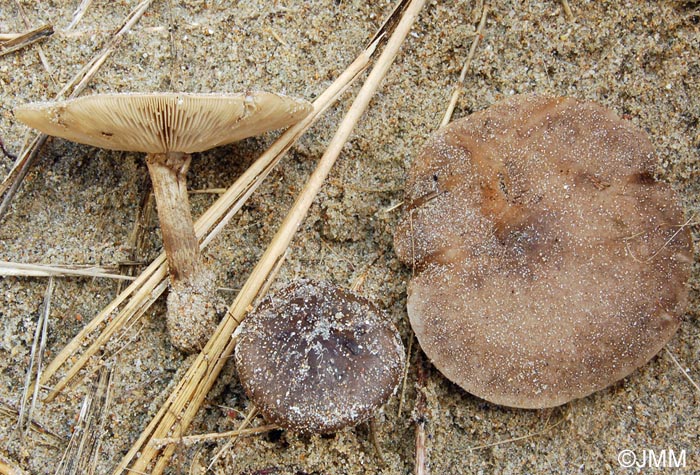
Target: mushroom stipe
[[315, 358], [549, 261], [169, 127]]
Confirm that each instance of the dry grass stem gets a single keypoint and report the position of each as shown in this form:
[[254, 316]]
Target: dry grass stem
[[23, 40], [420, 417], [208, 191], [193, 439], [48, 437], [252, 412], [567, 10], [684, 372], [81, 455], [144, 293], [19, 170], [404, 378], [39, 49], [78, 14], [547, 427], [26, 408], [43, 270], [184, 402], [463, 74]]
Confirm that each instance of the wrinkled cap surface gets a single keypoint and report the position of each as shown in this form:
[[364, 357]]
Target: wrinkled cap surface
[[315, 358], [549, 261], [163, 122]]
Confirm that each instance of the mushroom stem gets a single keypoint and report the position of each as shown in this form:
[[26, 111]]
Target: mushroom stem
[[191, 314], [169, 176]]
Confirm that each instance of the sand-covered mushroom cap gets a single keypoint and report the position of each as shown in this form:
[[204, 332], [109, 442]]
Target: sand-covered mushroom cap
[[163, 122], [549, 261], [315, 358]]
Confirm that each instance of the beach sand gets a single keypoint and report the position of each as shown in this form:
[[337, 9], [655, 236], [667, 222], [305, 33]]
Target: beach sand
[[79, 205]]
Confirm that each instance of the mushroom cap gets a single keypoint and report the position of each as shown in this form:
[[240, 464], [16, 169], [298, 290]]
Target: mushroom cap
[[163, 122], [315, 358], [549, 261]]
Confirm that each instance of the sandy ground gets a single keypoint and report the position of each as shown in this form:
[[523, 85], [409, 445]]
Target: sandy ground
[[79, 205]]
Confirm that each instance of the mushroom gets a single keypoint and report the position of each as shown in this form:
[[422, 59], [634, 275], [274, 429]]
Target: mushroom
[[549, 262], [169, 127], [315, 358]]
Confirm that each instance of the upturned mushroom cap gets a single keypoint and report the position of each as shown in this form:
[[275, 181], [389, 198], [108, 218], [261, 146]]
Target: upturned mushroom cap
[[163, 122], [315, 358], [549, 261]]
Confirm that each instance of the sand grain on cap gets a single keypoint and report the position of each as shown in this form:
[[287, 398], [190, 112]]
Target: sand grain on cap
[[550, 262]]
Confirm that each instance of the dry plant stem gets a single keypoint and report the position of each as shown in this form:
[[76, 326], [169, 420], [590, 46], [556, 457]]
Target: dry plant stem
[[184, 402], [19, 170], [81, 455], [35, 359], [567, 10], [25, 39], [42, 270], [252, 412], [78, 14], [420, 416], [8, 467], [547, 428], [685, 373], [39, 49], [463, 74], [144, 290], [40, 433], [193, 439]]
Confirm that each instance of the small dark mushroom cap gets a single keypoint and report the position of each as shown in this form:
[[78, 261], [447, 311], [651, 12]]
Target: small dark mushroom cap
[[315, 358], [549, 261], [163, 122]]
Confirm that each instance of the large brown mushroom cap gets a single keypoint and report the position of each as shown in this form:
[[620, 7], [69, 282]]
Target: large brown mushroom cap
[[550, 263], [163, 122], [315, 358]]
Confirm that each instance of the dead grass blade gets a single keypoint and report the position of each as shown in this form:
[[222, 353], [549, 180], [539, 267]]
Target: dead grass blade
[[78, 14], [43, 270], [81, 455], [181, 407], [26, 408], [47, 437], [683, 371], [252, 412], [39, 49], [547, 427], [25, 39], [12, 181], [567, 10], [463, 74]]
